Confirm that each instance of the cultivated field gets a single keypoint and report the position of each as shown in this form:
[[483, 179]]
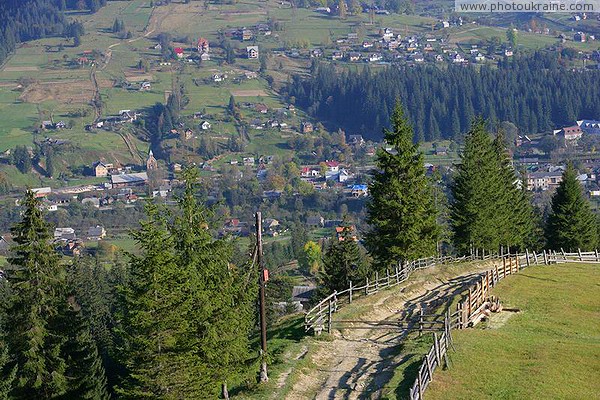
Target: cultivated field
[[548, 350]]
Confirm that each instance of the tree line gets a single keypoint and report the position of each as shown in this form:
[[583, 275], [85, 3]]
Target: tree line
[[489, 209], [173, 321], [533, 91], [24, 20]]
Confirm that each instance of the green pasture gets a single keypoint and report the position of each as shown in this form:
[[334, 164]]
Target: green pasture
[[550, 349]]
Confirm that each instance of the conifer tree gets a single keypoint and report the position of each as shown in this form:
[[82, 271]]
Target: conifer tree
[[7, 374], [36, 283], [187, 312], [343, 261], [85, 374], [515, 219], [475, 192], [571, 224], [401, 211]]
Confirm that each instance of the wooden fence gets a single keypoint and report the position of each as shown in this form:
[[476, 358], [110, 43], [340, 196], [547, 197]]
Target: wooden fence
[[476, 302], [320, 317]]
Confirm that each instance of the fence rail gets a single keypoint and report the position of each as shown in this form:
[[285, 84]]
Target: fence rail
[[476, 303], [319, 318]]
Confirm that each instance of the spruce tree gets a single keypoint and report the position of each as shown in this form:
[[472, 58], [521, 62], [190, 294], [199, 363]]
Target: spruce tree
[[515, 219], [188, 311], [85, 373], [343, 262], [35, 278], [7, 373], [571, 224], [475, 194], [401, 210]]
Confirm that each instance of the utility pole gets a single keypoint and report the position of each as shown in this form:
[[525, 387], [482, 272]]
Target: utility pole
[[263, 317]]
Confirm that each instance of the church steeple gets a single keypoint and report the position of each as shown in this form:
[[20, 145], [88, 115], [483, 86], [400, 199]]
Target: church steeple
[[151, 163]]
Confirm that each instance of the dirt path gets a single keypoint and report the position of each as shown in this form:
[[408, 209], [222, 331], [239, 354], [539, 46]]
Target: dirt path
[[357, 364]]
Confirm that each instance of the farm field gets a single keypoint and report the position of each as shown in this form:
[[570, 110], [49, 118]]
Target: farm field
[[550, 349]]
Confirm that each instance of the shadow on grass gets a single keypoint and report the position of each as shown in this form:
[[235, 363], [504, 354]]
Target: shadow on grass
[[408, 378]]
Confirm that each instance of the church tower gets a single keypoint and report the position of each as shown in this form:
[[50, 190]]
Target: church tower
[[151, 163]]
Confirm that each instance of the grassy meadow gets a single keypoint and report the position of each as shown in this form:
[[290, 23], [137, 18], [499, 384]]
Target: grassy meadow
[[549, 350]]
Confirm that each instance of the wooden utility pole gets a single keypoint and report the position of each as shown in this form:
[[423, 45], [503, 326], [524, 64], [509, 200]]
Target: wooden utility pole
[[263, 317]]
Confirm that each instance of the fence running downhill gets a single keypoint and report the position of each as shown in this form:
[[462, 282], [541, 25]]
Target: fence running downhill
[[472, 308], [477, 304]]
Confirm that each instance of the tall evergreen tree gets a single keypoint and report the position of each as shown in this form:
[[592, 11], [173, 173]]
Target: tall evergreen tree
[[36, 283], [474, 193], [571, 224], [7, 373], [401, 211], [343, 261], [188, 312], [515, 219], [85, 374]]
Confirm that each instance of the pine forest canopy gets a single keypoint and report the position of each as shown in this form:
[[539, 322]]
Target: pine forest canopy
[[533, 91]]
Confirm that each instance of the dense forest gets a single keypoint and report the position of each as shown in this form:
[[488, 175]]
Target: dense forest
[[535, 92], [23, 20]]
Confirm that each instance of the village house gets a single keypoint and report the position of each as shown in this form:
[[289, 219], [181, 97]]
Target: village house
[[96, 233], [302, 294], [589, 127], [145, 86], [271, 227], [64, 233], [179, 53], [356, 140], [252, 52], [70, 248], [203, 46], [337, 55], [579, 37], [308, 172], [315, 220], [359, 190], [332, 165], [100, 169], [306, 127], [41, 192], [375, 57], [128, 180], [261, 108], [569, 133], [543, 180], [354, 56], [235, 227], [248, 161], [341, 230], [246, 35], [205, 125]]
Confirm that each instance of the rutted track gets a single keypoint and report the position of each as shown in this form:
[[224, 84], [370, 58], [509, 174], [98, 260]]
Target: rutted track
[[359, 363]]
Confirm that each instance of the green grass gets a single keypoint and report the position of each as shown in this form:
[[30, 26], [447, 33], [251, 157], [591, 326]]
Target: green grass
[[3, 261], [551, 349]]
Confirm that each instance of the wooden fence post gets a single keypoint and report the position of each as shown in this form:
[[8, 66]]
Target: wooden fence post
[[597, 255], [563, 254], [350, 292], [516, 263], [420, 382], [367, 287], [535, 258], [545, 257], [469, 305], [580, 257], [376, 281], [436, 346], [329, 314], [527, 256], [397, 275], [388, 276]]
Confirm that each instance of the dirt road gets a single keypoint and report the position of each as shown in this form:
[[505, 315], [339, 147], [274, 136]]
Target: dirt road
[[358, 364]]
